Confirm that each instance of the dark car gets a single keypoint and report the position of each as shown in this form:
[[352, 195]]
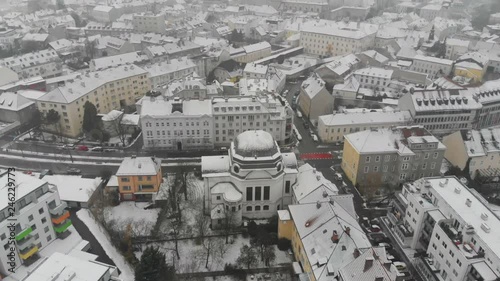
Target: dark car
[[378, 237], [306, 125]]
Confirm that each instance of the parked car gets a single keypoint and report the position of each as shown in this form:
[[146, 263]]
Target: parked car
[[377, 237], [45, 172], [338, 176], [306, 125], [375, 228], [401, 266], [283, 94], [97, 148], [73, 171], [68, 146], [315, 138], [82, 148], [299, 114], [387, 246]]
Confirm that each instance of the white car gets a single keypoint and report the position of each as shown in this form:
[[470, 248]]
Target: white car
[[315, 138], [401, 266], [338, 176], [299, 114]]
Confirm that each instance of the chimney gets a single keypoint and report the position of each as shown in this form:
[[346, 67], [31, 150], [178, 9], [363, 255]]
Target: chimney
[[387, 265], [318, 205], [368, 263], [348, 231], [325, 194], [335, 237], [356, 253]]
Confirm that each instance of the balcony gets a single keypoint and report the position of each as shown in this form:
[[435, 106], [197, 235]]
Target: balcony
[[25, 232], [63, 227], [26, 242], [28, 253], [405, 231], [451, 232], [60, 219], [58, 210]]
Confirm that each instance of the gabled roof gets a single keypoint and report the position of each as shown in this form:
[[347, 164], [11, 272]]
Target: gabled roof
[[13, 102]]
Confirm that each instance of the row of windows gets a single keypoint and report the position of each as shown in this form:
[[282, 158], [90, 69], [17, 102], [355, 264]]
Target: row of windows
[[139, 178], [404, 166], [387, 158], [257, 208], [257, 195], [174, 124], [236, 108]]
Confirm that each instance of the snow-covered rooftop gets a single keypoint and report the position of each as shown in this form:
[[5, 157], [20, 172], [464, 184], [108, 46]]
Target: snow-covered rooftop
[[257, 143], [13, 102], [310, 181], [391, 140], [73, 188], [70, 268], [228, 191], [25, 184], [367, 117], [163, 107], [139, 166]]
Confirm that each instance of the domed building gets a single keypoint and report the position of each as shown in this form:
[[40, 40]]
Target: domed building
[[254, 180]]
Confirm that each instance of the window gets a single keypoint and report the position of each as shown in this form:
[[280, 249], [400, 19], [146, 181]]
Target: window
[[257, 208], [424, 165], [3, 236], [287, 187], [402, 176], [258, 193], [44, 220], [426, 155], [125, 179], [33, 227], [266, 192], [218, 197], [249, 208], [404, 166], [367, 169], [375, 169], [46, 229], [433, 165], [436, 155], [406, 158], [49, 238], [367, 159], [30, 218], [126, 188], [377, 158], [249, 193], [265, 208]]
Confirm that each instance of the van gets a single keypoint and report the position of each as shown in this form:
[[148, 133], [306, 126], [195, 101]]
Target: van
[[401, 266]]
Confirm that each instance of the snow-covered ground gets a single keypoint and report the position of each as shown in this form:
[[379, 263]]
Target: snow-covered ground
[[127, 273], [133, 213], [192, 256]]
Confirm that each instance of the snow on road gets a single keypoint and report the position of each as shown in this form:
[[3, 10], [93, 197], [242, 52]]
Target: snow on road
[[127, 273]]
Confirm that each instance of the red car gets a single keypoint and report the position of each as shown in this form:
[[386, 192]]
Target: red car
[[82, 148]]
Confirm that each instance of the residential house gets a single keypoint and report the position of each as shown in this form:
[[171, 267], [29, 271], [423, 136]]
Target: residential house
[[139, 178]]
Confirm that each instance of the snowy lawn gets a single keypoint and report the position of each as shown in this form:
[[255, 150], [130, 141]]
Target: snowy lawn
[[142, 221], [193, 256], [127, 273]]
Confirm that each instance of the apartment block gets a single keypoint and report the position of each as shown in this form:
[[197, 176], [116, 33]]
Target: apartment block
[[441, 111], [378, 157], [164, 72], [149, 22], [476, 151], [453, 225], [45, 63], [329, 38], [36, 216], [139, 178], [434, 67], [333, 127], [176, 124], [250, 53], [110, 89]]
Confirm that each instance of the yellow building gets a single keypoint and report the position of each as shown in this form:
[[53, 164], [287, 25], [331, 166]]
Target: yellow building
[[139, 178], [472, 66], [110, 89], [285, 225]]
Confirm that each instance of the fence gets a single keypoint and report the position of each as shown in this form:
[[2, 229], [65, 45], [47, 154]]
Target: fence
[[10, 127]]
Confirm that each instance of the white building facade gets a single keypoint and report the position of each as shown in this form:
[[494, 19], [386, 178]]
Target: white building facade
[[442, 217], [37, 218], [253, 181]]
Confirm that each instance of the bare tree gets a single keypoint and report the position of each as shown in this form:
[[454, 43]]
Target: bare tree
[[174, 232], [120, 129], [228, 223], [209, 248]]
